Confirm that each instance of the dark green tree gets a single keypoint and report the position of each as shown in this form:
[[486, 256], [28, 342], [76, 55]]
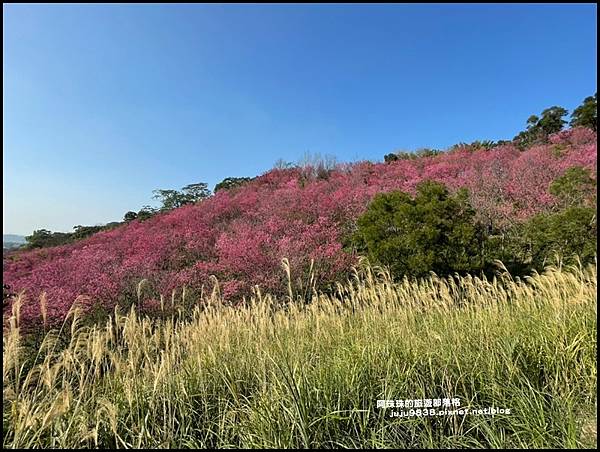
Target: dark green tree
[[111, 225], [570, 234], [231, 182], [170, 199], [586, 115], [38, 238], [195, 192], [146, 212], [391, 157], [404, 155], [130, 216], [485, 144], [539, 128], [575, 187], [82, 232], [43, 238], [552, 120], [434, 231]]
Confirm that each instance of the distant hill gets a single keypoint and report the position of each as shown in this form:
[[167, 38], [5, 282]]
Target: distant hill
[[13, 238], [10, 241]]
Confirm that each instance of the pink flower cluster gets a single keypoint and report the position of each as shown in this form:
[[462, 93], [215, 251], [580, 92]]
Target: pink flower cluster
[[241, 235]]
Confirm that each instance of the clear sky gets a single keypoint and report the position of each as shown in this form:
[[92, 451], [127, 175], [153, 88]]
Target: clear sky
[[105, 103]]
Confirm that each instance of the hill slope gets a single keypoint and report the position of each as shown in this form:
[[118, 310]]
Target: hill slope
[[241, 235]]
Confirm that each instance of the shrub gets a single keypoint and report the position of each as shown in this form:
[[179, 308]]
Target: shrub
[[569, 233], [575, 187], [231, 182], [434, 231]]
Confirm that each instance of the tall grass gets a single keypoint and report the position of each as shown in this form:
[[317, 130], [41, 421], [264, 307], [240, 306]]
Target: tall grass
[[274, 373]]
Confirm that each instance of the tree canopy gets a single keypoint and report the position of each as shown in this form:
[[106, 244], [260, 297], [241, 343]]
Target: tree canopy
[[434, 231], [586, 115], [172, 199]]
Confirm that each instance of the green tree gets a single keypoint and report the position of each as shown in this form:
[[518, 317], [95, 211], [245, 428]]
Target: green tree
[[586, 115], [43, 238], [435, 231], [552, 120], [404, 155], [426, 152], [130, 216], [575, 187], [569, 233], [231, 182], [391, 157], [82, 232], [38, 238], [146, 212], [539, 128], [111, 225], [195, 192], [485, 144], [172, 199]]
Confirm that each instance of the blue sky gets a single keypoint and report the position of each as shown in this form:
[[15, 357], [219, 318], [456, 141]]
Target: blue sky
[[105, 103]]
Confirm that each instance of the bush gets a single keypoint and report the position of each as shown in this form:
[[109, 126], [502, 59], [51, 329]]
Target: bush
[[231, 182], [575, 187], [435, 231], [569, 233]]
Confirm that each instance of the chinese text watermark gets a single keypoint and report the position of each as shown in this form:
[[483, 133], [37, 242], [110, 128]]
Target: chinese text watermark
[[435, 407]]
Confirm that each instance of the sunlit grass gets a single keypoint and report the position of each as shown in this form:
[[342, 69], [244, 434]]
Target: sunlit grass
[[274, 373]]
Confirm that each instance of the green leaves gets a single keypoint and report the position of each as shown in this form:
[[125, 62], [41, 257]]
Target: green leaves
[[539, 128], [172, 199], [586, 115], [574, 187], [569, 233], [551, 121], [231, 182], [435, 231]]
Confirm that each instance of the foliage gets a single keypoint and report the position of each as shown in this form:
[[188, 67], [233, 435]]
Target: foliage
[[82, 232], [146, 212], [173, 199], [231, 182], [403, 155], [575, 187], [570, 234], [170, 199], [42, 238], [540, 128], [195, 192], [586, 115], [434, 231], [130, 216], [485, 144]]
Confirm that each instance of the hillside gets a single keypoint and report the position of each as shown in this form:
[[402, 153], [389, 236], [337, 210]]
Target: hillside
[[241, 235]]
